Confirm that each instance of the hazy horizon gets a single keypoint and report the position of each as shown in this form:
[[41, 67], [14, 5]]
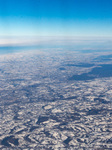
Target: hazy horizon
[[65, 42]]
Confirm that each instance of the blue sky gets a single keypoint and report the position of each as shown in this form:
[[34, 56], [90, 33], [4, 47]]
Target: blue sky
[[56, 18]]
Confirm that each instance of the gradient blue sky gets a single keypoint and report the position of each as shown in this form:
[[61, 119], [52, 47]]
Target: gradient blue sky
[[56, 18]]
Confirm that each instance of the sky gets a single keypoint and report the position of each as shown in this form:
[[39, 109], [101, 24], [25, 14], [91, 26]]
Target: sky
[[56, 18]]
